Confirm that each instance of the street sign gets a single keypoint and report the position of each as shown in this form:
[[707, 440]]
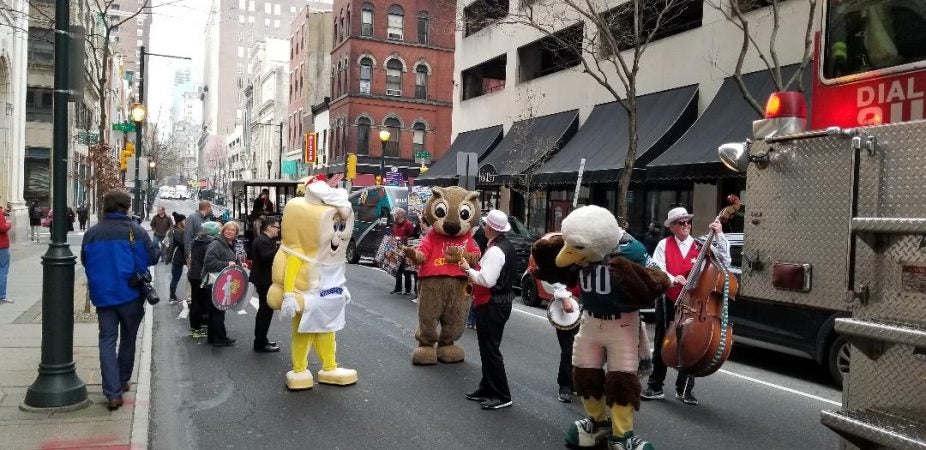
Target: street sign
[[422, 157], [125, 127], [87, 138]]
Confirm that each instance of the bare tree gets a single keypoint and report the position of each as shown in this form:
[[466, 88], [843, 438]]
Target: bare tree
[[767, 51], [604, 42]]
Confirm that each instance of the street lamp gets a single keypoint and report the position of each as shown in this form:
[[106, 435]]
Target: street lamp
[[384, 138], [269, 166], [138, 112], [151, 166]]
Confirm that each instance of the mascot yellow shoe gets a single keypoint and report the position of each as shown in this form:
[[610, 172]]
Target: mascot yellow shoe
[[309, 281]]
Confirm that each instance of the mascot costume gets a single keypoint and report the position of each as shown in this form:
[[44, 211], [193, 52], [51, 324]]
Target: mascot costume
[[444, 290], [309, 283], [617, 279]]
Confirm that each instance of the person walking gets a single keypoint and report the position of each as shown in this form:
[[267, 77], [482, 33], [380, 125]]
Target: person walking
[[492, 295], [35, 221], [176, 256], [194, 223], [402, 231], [5, 226], [114, 252], [71, 219], [199, 294], [219, 255], [675, 255], [160, 225], [82, 215], [263, 250]]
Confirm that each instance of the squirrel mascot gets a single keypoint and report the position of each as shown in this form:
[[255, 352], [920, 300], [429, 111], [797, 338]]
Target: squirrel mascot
[[617, 279], [309, 280], [444, 290]]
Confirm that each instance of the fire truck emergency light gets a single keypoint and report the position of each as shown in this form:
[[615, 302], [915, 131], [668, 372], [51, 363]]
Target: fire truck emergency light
[[786, 104]]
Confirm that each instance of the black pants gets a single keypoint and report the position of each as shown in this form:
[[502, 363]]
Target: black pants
[[399, 275], [198, 298], [665, 313], [566, 339], [216, 322], [262, 322], [490, 325]]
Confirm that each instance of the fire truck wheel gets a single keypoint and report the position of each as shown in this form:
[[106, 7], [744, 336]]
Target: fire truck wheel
[[352, 256], [838, 359]]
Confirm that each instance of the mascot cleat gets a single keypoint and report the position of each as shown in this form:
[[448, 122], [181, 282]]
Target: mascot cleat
[[628, 442], [339, 376], [587, 433], [299, 381]]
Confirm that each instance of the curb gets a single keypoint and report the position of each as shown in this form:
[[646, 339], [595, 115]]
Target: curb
[[139, 438]]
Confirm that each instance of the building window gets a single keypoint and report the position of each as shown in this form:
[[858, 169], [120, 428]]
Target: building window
[[41, 46], [484, 78], [251, 6], [421, 82], [241, 52], [343, 31], [396, 23], [276, 24], [240, 20], [551, 54], [423, 22], [276, 9], [363, 136], [680, 17], [418, 137], [366, 75], [267, 8], [395, 129], [394, 77], [267, 22], [38, 105], [366, 20], [481, 13]]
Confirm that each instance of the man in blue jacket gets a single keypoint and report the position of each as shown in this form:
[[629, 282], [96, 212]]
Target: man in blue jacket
[[113, 252]]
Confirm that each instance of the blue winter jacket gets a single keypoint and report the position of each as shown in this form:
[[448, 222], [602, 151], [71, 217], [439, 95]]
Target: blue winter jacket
[[110, 260]]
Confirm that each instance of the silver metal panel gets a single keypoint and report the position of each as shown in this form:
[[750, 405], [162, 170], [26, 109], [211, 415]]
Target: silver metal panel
[[894, 383], [873, 426], [883, 331], [888, 225]]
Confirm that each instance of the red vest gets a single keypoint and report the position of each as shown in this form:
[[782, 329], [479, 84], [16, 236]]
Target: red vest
[[676, 264]]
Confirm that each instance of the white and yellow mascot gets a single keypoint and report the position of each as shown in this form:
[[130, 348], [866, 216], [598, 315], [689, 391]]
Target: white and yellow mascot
[[309, 280]]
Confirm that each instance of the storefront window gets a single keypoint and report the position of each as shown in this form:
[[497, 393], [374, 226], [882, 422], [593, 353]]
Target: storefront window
[[538, 205]]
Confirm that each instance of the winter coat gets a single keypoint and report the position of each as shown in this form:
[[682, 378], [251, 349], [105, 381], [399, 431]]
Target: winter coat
[[218, 255], [177, 254], [111, 260], [160, 224], [82, 213], [5, 226], [193, 224], [198, 257], [35, 215], [262, 252]]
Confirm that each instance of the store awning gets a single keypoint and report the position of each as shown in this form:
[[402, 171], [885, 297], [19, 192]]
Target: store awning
[[526, 143], [603, 139], [728, 118], [480, 142]]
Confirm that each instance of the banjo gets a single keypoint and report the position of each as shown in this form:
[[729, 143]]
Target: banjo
[[557, 315]]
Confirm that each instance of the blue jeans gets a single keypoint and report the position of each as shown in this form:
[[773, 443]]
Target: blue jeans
[[176, 271], [4, 270], [118, 322]]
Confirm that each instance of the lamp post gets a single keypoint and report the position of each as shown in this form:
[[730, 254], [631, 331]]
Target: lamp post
[[269, 165], [384, 138], [57, 387], [151, 166]]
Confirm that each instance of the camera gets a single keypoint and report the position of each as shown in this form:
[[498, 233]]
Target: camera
[[142, 282]]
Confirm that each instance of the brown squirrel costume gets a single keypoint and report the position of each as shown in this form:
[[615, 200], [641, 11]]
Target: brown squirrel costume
[[444, 291]]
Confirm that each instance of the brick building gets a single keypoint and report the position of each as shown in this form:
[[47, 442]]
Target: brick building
[[391, 68]]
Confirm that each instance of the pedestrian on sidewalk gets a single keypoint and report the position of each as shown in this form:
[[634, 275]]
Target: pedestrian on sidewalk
[[402, 231], [160, 225], [199, 294], [176, 257], [71, 219], [35, 221], [5, 226], [263, 250], [113, 252], [82, 215], [194, 224], [220, 254]]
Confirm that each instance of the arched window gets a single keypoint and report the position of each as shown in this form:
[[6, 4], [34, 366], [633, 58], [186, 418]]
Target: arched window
[[421, 82], [395, 25], [363, 136], [366, 75], [418, 137], [394, 70], [366, 20], [423, 23], [395, 132]]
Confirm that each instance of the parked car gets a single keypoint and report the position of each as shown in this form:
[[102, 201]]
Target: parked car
[[373, 207], [520, 237]]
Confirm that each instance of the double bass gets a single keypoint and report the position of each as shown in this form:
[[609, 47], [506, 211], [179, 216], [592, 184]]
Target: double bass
[[700, 338]]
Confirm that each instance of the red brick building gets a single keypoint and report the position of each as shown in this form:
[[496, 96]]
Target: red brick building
[[391, 68]]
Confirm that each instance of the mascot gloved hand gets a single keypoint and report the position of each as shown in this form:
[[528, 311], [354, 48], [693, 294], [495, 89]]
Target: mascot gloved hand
[[309, 281], [444, 293]]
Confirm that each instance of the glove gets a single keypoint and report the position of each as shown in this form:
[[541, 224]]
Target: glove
[[560, 292], [289, 307], [346, 296]]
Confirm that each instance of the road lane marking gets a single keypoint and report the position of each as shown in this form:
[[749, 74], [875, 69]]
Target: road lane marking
[[783, 388]]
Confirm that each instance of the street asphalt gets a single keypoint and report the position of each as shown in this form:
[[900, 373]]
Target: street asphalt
[[205, 397]]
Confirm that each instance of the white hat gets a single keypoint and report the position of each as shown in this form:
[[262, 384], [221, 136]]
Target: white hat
[[498, 221], [677, 214]]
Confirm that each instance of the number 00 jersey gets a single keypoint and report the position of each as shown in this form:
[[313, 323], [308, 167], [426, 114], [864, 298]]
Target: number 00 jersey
[[600, 293]]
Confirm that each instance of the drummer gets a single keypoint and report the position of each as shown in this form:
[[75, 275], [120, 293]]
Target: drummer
[[566, 337]]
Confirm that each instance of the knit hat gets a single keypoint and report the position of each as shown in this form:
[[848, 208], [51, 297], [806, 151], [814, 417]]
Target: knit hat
[[211, 228], [178, 217]]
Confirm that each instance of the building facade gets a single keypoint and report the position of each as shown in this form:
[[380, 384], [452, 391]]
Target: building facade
[[133, 32], [392, 69], [267, 106], [14, 38]]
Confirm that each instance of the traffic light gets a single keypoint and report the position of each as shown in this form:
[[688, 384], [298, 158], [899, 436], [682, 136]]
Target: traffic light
[[123, 160], [351, 171], [130, 149], [379, 180]]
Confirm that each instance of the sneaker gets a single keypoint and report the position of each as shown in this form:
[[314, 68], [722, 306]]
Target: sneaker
[[6, 300], [565, 394], [198, 334], [475, 396], [395, 292], [652, 394], [227, 342], [687, 398], [629, 443], [495, 403], [407, 293], [174, 301], [587, 432]]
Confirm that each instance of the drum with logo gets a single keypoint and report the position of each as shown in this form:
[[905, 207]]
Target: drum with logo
[[231, 289]]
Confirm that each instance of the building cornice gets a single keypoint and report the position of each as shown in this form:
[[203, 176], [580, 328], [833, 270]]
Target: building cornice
[[390, 42], [388, 98]]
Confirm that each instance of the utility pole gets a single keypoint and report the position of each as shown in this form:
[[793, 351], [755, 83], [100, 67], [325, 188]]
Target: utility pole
[[57, 387], [138, 128]]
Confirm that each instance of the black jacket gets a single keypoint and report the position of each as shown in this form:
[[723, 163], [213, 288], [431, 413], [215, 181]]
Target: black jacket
[[178, 255], [198, 257], [262, 252]]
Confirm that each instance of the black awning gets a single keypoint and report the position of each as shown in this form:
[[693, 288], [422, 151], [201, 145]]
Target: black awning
[[662, 117], [528, 142], [728, 118], [480, 141]]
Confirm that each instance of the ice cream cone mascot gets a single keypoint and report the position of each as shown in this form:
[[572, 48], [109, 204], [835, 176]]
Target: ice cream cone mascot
[[615, 285], [444, 293], [309, 282]]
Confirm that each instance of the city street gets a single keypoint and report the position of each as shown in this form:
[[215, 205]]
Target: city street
[[205, 397]]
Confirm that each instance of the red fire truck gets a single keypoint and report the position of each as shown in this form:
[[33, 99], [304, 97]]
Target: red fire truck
[[836, 211]]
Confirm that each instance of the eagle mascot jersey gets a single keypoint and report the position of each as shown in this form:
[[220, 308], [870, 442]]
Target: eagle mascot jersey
[[309, 282]]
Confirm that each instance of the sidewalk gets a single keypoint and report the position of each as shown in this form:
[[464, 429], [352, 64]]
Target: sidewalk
[[20, 354]]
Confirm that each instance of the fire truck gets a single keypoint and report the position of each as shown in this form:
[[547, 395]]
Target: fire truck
[[836, 210]]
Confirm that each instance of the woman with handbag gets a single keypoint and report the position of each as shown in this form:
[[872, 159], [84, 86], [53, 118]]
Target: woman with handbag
[[220, 254]]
